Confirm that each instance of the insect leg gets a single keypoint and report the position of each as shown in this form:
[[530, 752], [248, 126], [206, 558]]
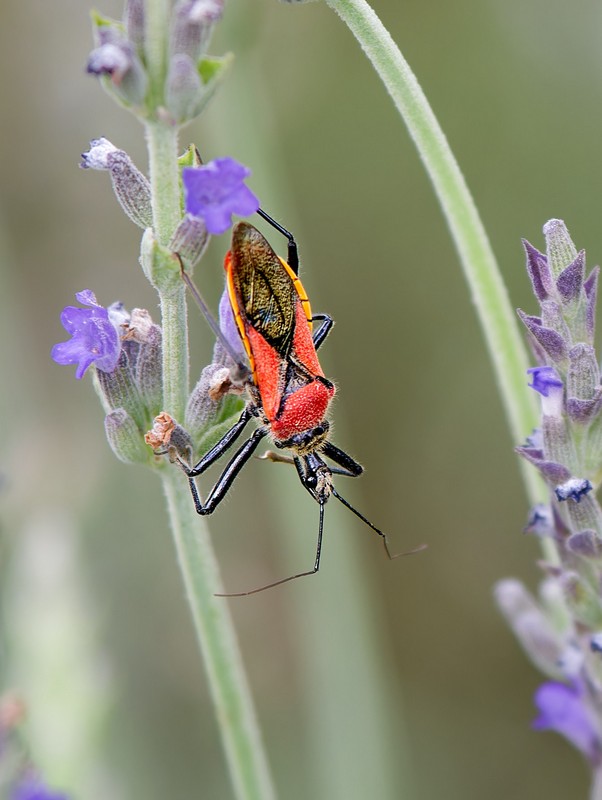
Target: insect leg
[[293, 252], [224, 482], [218, 449], [350, 466], [322, 332], [311, 571]]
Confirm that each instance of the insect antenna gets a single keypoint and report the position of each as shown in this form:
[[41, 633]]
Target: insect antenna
[[237, 357], [312, 571], [385, 541]]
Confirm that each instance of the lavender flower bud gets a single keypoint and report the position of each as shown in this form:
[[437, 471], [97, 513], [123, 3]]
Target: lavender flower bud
[[559, 246], [583, 384], [183, 88], [190, 241], [125, 438], [115, 60], [192, 25], [131, 187], [118, 390], [148, 366], [531, 627], [210, 407], [585, 543]]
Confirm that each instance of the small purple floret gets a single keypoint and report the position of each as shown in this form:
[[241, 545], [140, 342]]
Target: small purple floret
[[573, 489], [562, 709], [31, 788], [544, 379], [216, 190], [94, 338]]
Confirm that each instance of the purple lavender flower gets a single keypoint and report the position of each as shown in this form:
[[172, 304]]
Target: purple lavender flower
[[562, 709], [32, 788], [94, 337], [544, 379], [573, 489], [216, 190]]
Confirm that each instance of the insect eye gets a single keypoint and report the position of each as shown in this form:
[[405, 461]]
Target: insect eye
[[311, 481]]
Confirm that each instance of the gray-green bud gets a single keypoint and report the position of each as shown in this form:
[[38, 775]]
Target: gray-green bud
[[125, 438], [131, 187]]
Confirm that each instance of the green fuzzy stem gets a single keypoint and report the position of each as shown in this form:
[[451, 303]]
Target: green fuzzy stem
[[215, 631], [489, 294], [162, 143], [212, 622], [156, 25]]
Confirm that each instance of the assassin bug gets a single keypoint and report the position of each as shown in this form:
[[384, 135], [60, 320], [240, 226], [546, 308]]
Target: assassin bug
[[287, 390]]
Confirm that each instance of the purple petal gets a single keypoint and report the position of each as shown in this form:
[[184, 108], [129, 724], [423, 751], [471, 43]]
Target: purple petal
[[216, 190], [94, 337], [545, 379], [562, 709]]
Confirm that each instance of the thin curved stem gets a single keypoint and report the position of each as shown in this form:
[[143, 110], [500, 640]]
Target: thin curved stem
[[488, 291]]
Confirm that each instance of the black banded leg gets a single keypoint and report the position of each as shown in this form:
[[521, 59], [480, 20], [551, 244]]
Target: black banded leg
[[218, 450], [320, 335], [226, 479], [293, 252]]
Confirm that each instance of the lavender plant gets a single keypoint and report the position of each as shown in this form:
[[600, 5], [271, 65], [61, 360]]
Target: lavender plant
[[561, 630], [155, 64]]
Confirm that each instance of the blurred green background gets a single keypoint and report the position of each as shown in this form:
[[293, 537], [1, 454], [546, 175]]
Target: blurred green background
[[389, 680]]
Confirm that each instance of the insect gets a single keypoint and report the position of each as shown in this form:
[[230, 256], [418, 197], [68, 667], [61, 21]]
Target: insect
[[288, 394]]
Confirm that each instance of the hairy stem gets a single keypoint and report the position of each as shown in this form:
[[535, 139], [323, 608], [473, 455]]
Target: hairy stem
[[212, 622], [488, 291], [215, 632]]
